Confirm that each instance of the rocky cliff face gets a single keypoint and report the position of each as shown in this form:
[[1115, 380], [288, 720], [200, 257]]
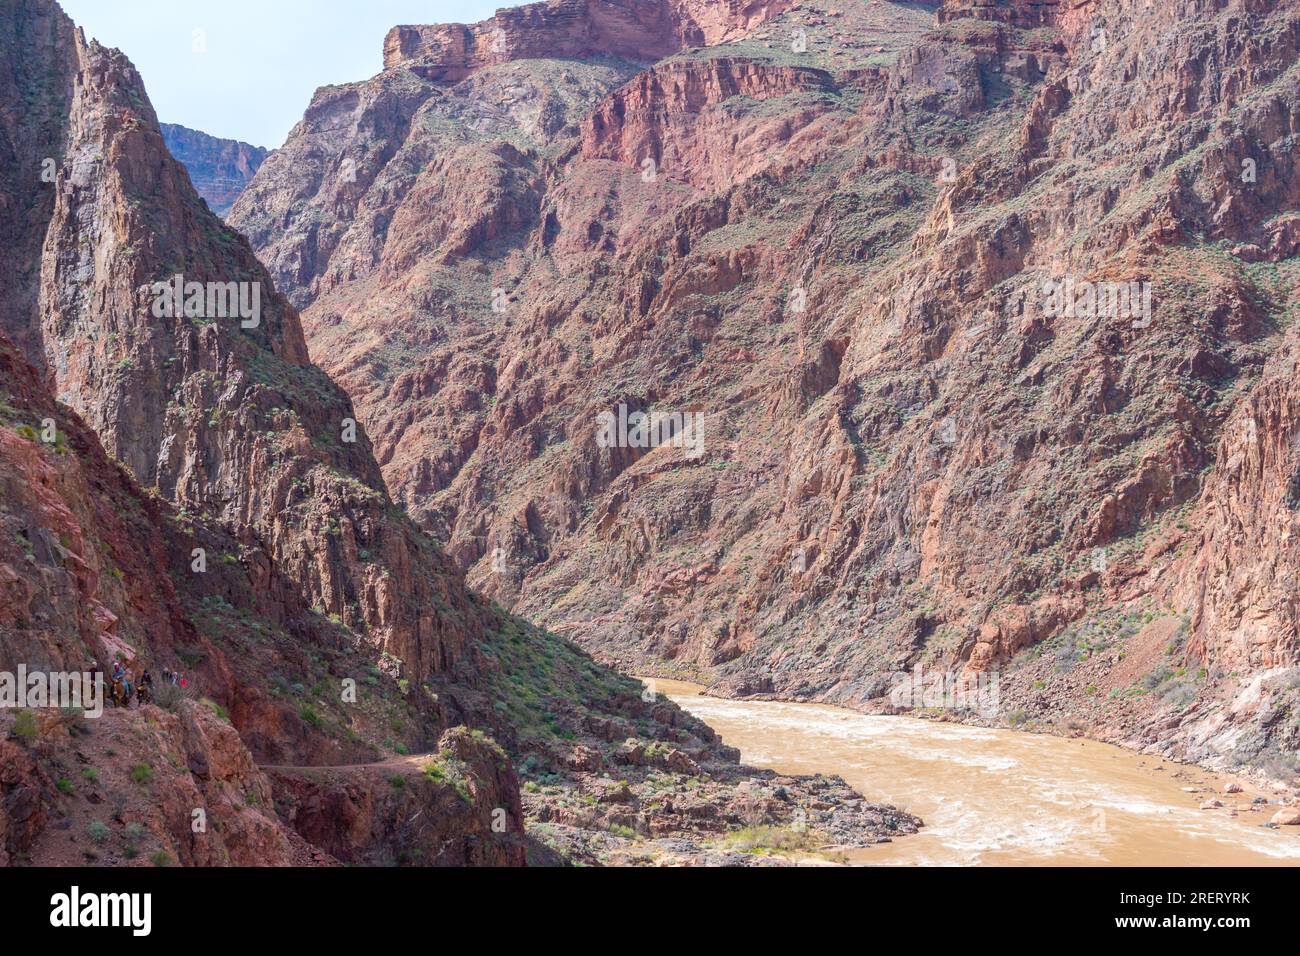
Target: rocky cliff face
[[973, 307], [462, 809], [200, 498], [1020, 13], [573, 29], [219, 168], [221, 414]]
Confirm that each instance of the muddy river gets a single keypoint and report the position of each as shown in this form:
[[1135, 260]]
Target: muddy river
[[998, 797]]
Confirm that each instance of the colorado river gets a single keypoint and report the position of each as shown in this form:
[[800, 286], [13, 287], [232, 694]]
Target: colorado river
[[998, 797]]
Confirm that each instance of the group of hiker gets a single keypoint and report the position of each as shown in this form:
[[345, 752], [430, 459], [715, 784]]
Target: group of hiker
[[123, 686]]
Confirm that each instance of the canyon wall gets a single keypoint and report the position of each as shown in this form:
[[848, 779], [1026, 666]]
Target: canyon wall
[[186, 491], [218, 168], [573, 29], [831, 236]]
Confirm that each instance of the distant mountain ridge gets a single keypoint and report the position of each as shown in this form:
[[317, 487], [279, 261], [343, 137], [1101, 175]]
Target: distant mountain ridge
[[219, 168]]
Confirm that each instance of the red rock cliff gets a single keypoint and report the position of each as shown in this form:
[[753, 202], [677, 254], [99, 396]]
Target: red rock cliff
[[642, 31]]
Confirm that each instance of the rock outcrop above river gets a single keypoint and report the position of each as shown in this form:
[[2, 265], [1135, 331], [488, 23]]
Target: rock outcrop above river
[[983, 307]]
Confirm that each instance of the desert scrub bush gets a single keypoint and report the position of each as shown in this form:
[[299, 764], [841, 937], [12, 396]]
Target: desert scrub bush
[[1179, 695], [73, 720], [142, 773], [65, 787], [97, 831], [768, 839], [397, 781], [91, 774], [161, 859], [216, 708], [450, 772], [1157, 677], [24, 727], [169, 696]]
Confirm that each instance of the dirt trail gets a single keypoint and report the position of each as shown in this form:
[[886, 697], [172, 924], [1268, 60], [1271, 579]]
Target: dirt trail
[[416, 761]]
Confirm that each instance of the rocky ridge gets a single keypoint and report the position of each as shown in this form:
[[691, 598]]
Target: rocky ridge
[[572, 29]]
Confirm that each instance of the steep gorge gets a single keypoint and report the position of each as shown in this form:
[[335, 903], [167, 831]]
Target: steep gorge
[[185, 490], [828, 230]]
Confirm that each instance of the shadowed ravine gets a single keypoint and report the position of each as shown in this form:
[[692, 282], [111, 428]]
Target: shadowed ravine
[[999, 797]]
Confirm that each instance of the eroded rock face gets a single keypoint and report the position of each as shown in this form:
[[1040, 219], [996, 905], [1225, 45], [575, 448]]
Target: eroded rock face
[[316, 624], [838, 256], [145, 787], [25, 797], [578, 29], [457, 807], [219, 168], [223, 416], [670, 117], [1020, 13]]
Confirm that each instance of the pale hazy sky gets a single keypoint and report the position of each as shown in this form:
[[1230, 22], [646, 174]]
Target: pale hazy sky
[[264, 58]]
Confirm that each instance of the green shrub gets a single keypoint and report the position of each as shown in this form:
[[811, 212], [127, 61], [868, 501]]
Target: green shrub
[[168, 696], [24, 727], [142, 773], [216, 708], [97, 831]]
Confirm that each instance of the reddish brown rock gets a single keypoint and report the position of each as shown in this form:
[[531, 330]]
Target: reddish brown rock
[[838, 256], [573, 29], [457, 807]]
